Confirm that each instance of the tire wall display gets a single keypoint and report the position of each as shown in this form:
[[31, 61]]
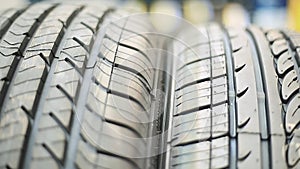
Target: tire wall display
[[90, 85]]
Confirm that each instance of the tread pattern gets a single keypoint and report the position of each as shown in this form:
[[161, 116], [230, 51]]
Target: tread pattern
[[248, 100], [119, 125], [15, 117], [201, 122], [49, 143], [286, 62], [78, 89], [65, 82], [48, 63], [258, 105], [7, 18]]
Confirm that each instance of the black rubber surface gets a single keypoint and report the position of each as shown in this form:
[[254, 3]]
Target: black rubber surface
[[78, 89]]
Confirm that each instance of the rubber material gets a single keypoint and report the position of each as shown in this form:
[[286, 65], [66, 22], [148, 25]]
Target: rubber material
[[78, 89]]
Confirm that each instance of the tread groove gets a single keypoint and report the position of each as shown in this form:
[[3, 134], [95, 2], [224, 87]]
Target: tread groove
[[65, 93], [52, 154], [199, 81], [141, 77], [232, 100], [85, 47]]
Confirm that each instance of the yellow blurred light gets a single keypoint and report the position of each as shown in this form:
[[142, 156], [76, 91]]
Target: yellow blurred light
[[136, 5], [196, 11], [294, 14], [164, 15], [234, 15]]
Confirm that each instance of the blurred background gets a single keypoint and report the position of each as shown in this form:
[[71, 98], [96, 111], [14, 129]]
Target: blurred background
[[234, 13]]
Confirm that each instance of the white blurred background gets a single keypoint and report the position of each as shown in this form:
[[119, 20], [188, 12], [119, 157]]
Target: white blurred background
[[265, 13], [12, 4]]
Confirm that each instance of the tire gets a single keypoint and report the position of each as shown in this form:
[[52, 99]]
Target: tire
[[80, 88]]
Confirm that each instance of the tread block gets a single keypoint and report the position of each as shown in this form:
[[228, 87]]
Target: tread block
[[292, 118], [191, 155], [293, 151], [87, 157], [284, 64], [111, 138], [290, 85], [248, 154], [279, 46], [199, 154], [274, 35]]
